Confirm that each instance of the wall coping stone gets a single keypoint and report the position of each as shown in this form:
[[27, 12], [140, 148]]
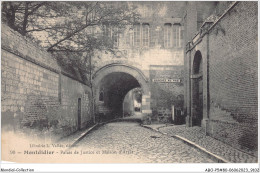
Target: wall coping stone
[[196, 40]]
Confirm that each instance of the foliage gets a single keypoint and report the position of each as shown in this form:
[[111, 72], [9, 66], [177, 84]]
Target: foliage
[[23, 16], [72, 31]]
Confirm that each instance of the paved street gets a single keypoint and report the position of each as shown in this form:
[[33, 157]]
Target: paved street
[[197, 135], [121, 142]]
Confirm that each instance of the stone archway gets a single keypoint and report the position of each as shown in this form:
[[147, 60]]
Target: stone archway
[[197, 89], [115, 80]]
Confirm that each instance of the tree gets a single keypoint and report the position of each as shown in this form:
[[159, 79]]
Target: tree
[[23, 16], [70, 28], [72, 31]]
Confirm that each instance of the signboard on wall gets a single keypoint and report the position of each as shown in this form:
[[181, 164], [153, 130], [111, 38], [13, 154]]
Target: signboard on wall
[[166, 82], [163, 80]]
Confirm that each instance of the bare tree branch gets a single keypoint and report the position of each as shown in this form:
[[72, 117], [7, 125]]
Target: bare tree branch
[[70, 35]]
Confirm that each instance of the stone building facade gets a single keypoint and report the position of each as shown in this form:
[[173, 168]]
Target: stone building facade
[[36, 92], [151, 52], [221, 78]]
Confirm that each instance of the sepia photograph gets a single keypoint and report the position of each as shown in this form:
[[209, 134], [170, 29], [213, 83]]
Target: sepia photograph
[[116, 82]]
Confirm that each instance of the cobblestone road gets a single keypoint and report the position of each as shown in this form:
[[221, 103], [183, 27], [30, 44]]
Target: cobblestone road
[[197, 135], [121, 142]]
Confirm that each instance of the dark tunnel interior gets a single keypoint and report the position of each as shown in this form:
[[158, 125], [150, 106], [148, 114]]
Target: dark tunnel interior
[[114, 87]]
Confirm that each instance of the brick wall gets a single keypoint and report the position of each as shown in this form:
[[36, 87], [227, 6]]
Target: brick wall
[[233, 76], [166, 94], [34, 92]]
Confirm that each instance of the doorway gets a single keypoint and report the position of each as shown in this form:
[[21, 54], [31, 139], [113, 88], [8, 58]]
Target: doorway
[[197, 89]]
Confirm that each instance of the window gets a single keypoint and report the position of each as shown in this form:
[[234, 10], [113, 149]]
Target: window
[[115, 37], [145, 29], [106, 31], [172, 35], [111, 33], [176, 35], [129, 37], [167, 35], [137, 35]]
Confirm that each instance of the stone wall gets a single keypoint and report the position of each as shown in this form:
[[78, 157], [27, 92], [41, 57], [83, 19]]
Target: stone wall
[[35, 92], [157, 15], [71, 92]]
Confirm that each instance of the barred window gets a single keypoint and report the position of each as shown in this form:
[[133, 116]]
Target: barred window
[[145, 29]]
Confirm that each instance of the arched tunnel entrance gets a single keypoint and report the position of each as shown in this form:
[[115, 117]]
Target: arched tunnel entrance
[[111, 84], [114, 87]]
